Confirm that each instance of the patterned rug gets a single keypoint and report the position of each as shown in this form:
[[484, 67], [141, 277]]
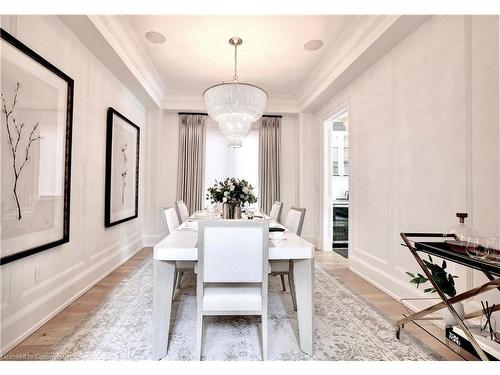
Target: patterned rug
[[345, 328]]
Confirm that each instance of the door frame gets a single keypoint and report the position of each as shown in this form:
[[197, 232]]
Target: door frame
[[326, 211]]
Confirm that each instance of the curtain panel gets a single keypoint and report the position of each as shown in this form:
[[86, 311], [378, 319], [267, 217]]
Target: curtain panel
[[269, 162], [191, 165]]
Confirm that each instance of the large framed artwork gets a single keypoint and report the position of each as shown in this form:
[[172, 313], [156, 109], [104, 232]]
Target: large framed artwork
[[36, 122], [122, 169]]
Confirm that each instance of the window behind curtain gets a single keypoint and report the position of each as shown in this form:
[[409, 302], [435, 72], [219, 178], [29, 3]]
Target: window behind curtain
[[222, 161]]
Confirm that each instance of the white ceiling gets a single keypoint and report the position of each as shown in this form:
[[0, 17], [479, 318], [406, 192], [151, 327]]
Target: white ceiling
[[197, 54]]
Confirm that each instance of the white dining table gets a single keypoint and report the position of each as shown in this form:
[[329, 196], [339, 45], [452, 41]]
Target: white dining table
[[181, 245]]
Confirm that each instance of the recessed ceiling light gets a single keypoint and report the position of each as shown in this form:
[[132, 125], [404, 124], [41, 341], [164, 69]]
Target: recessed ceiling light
[[313, 45], [155, 37]]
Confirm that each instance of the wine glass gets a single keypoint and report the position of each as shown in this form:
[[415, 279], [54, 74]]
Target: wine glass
[[476, 247], [493, 250]]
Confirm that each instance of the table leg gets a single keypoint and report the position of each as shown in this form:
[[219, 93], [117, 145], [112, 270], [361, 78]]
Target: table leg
[[163, 274], [304, 289]]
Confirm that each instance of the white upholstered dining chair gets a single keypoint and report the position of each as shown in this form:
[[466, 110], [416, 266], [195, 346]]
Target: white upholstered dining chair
[[295, 219], [171, 224], [294, 222], [182, 211], [275, 213], [232, 272]]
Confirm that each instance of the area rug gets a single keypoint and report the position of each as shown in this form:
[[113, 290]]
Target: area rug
[[345, 327]]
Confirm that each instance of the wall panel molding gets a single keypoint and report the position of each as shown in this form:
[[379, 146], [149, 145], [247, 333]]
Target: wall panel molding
[[440, 100], [469, 200], [69, 270], [11, 335]]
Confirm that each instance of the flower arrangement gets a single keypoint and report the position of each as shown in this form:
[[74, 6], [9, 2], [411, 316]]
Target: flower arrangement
[[231, 190]]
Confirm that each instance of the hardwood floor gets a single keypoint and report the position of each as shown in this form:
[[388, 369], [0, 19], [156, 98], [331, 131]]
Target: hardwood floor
[[50, 334], [338, 265]]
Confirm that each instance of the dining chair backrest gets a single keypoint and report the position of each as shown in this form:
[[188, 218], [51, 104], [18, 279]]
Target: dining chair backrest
[[232, 251], [275, 213], [171, 220], [295, 220], [182, 211]]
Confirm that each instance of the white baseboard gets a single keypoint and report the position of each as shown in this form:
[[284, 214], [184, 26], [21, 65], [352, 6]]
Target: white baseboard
[[113, 262], [378, 278]]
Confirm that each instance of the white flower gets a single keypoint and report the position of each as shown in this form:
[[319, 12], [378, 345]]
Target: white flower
[[231, 187], [226, 193], [224, 199], [245, 189]]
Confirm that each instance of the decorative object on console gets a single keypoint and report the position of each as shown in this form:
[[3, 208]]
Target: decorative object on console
[[488, 323], [467, 240], [493, 254], [122, 169], [232, 193], [235, 105], [36, 124], [445, 282], [459, 338]]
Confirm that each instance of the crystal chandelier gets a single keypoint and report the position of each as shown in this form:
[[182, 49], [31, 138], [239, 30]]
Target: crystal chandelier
[[235, 105]]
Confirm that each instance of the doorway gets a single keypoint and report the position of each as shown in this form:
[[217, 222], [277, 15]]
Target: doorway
[[336, 189]]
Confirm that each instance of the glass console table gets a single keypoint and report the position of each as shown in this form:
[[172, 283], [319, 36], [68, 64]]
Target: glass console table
[[440, 249]]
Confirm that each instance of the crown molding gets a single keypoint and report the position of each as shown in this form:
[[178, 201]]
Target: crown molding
[[193, 101], [364, 40], [343, 51], [121, 37]]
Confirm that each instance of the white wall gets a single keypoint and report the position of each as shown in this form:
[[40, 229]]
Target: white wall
[[163, 148], [309, 165], [93, 251], [222, 161], [424, 144]]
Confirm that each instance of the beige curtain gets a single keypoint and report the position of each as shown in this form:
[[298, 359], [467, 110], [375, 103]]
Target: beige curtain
[[269, 162], [191, 166]]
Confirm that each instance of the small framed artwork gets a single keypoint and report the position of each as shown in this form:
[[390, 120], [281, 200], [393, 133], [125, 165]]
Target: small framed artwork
[[36, 122], [122, 169]]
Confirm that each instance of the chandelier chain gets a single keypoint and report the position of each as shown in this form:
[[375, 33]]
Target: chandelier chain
[[235, 77]]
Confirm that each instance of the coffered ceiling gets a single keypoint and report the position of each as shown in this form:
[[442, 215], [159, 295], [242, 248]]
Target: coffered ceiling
[[185, 54], [196, 53]]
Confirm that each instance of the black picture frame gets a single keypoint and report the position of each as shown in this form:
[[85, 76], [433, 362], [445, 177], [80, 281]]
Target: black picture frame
[[24, 49], [109, 168]]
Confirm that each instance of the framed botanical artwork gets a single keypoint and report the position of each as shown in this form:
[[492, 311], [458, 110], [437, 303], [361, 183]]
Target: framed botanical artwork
[[36, 122], [122, 169]]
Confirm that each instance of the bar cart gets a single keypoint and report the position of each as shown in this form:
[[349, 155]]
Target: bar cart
[[442, 250]]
